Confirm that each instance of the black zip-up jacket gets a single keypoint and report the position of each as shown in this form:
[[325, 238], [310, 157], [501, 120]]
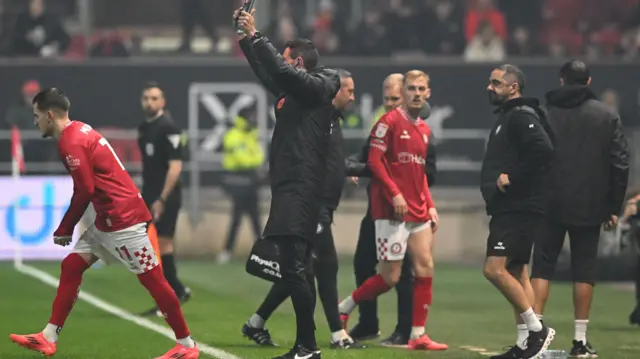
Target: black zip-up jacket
[[336, 167], [301, 137], [590, 169], [519, 146]]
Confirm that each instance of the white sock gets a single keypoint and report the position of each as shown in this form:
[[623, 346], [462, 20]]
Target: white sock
[[540, 316], [523, 334], [256, 321], [187, 342], [580, 330], [347, 305], [417, 332], [530, 319], [339, 335], [51, 332]]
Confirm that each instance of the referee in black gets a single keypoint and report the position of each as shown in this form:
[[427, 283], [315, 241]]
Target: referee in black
[[325, 263], [160, 143], [297, 161], [588, 183]]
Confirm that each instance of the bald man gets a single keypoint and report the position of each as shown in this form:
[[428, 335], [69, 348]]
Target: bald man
[[365, 260]]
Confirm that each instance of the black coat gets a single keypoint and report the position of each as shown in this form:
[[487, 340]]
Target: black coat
[[336, 168], [301, 137], [519, 146], [590, 169]]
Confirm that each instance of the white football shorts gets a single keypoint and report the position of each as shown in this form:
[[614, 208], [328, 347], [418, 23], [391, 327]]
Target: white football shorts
[[130, 246], [392, 237]]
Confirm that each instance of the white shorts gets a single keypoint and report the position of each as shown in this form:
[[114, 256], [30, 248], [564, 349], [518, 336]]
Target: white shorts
[[392, 237], [130, 246]]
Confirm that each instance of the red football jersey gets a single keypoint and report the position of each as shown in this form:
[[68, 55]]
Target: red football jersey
[[397, 154], [100, 178]]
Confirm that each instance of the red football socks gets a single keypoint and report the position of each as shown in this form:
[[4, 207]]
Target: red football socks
[[422, 297], [71, 270], [166, 300], [370, 289]]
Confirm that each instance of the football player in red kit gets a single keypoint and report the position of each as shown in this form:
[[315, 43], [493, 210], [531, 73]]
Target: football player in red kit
[[118, 233], [403, 211]]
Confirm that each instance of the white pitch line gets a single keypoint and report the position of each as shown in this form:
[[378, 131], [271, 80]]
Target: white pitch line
[[120, 313]]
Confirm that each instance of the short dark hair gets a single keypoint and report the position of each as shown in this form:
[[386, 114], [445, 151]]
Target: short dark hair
[[515, 72], [52, 99], [344, 74], [574, 72], [306, 49], [153, 85]]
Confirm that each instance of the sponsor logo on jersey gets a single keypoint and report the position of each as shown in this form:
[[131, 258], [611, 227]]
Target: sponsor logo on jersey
[[72, 162], [406, 157]]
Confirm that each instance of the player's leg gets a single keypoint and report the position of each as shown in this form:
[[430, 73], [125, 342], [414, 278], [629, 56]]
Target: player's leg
[[420, 248], [584, 243], [545, 257], [364, 264], [511, 235], [404, 290], [325, 267], [72, 268], [132, 247], [232, 233], [254, 328], [294, 261], [391, 244]]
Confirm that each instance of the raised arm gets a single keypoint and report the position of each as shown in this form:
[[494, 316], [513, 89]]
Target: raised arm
[[256, 66]]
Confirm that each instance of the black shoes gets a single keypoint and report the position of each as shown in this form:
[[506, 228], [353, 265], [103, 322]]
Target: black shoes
[[300, 352], [395, 339], [361, 333], [581, 350], [538, 342], [634, 317], [513, 352], [347, 344], [259, 335]]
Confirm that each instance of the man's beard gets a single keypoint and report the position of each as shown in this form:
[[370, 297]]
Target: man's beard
[[496, 99], [151, 113]]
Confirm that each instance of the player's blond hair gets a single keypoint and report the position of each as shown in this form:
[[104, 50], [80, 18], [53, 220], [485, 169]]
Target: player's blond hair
[[415, 74], [393, 80]]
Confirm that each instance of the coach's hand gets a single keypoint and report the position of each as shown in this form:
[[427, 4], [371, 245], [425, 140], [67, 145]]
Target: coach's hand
[[434, 219], [612, 222], [246, 22], [503, 182], [399, 206], [157, 208], [62, 240], [353, 180]]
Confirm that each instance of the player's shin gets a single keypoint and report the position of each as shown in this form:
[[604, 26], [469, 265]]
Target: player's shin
[[370, 289], [168, 303], [422, 298], [71, 270]]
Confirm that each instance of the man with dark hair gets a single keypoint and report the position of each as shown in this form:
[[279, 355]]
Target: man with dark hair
[[118, 234], [325, 263], [512, 184], [298, 160], [365, 259], [587, 184], [160, 143]]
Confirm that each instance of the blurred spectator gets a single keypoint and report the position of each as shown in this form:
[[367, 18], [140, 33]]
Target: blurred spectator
[[194, 13], [522, 44], [611, 98], [21, 113], [370, 37], [485, 46], [401, 23], [38, 33], [323, 36], [485, 11], [109, 44], [440, 25]]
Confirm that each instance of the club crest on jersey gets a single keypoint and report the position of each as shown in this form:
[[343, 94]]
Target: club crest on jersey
[[381, 130], [72, 162]]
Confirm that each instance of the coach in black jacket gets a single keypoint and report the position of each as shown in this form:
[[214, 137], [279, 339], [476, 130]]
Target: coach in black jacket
[[512, 184], [588, 182], [366, 260], [297, 161]]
